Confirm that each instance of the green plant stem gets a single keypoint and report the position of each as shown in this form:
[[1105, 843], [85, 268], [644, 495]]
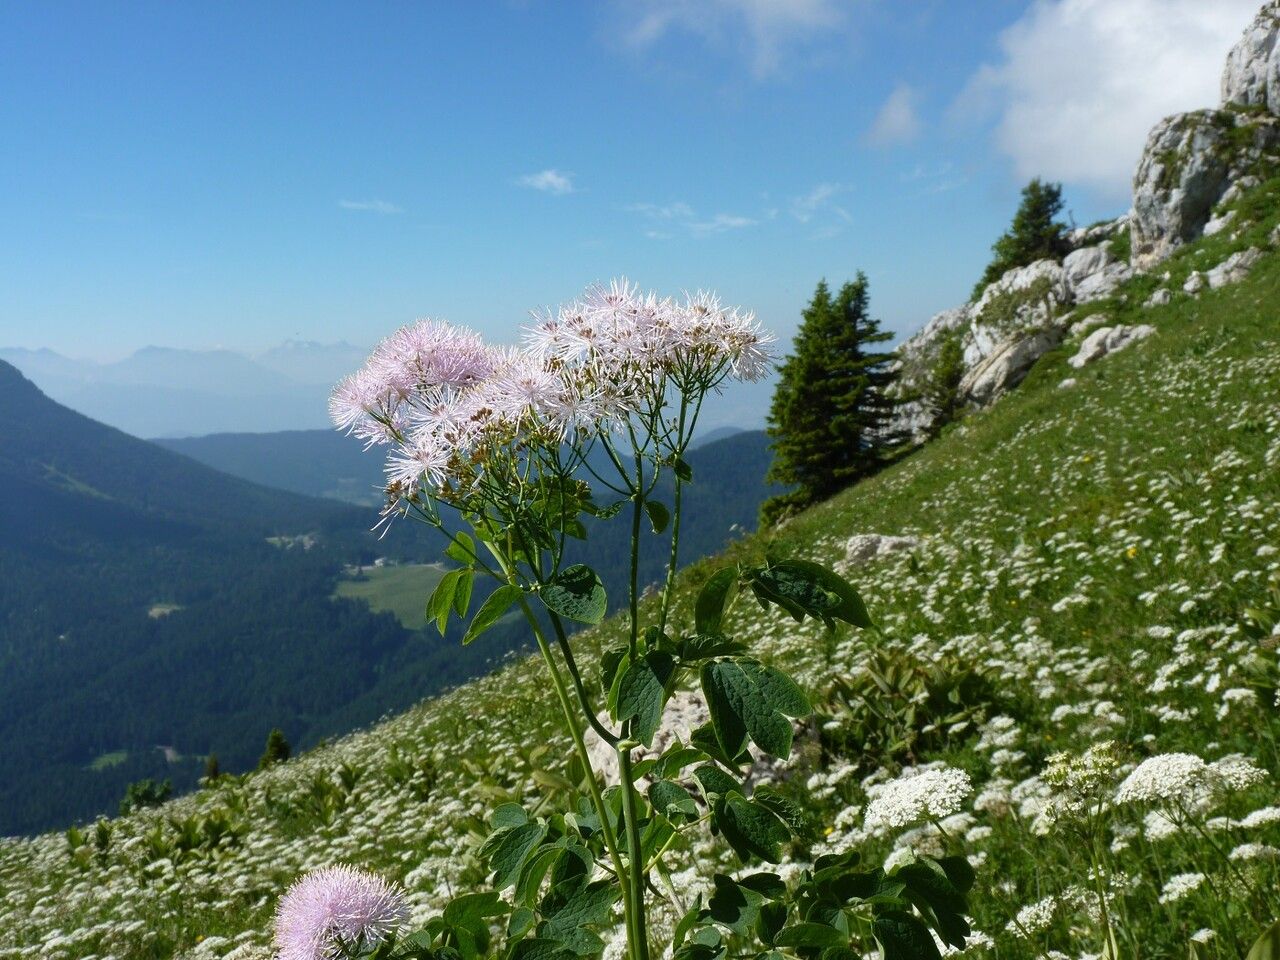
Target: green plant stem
[[636, 875], [579, 687], [673, 560], [575, 731]]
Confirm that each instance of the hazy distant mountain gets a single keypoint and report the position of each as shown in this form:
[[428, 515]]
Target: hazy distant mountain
[[167, 392]]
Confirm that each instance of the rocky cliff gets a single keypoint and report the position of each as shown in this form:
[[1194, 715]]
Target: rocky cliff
[[1193, 167]]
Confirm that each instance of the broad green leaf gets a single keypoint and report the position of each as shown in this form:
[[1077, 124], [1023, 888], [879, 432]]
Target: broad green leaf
[[540, 948], [851, 609], [491, 611], [768, 885], [571, 905], [686, 922], [683, 470], [1267, 946], [734, 906], [703, 646], [675, 759], [714, 599], [933, 894], [441, 600], [576, 594], [715, 782], [462, 594], [670, 799], [659, 515], [744, 698], [522, 921], [785, 809], [469, 909], [462, 549], [642, 693], [510, 851], [750, 828], [903, 936], [810, 935], [508, 815], [773, 917]]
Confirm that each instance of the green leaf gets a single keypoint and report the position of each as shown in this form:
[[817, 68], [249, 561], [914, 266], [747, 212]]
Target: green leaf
[[703, 646], [734, 906], [571, 905], [469, 909], [1267, 946], [683, 470], [750, 828], [692, 916], [540, 948], [462, 549], [803, 588], [508, 815], [714, 599], [851, 609], [576, 594], [903, 937], [675, 759], [715, 782], [773, 917], [746, 698], [491, 611], [934, 895], [441, 600], [785, 809], [522, 921], [670, 799], [510, 851], [810, 935], [462, 595], [642, 693], [659, 515]]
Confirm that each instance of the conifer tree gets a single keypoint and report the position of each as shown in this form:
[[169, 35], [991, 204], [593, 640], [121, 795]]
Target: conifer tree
[[831, 410], [276, 751], [1035, 234], [212, 768]]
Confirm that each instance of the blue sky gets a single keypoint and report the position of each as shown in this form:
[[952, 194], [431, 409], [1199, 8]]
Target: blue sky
[[238, 174]]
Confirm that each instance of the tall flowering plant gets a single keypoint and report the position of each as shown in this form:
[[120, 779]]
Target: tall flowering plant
[[516, 448]]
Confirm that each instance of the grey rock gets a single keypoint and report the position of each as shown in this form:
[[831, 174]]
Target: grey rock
[[1006, 366], [1218, 224], [1233, 269], [1091, 273], [1067, 384], [1194, 283], [1159, 298], [864, 547], [1251, 77], [1107, 340], [1081, 327], [1187, 166]]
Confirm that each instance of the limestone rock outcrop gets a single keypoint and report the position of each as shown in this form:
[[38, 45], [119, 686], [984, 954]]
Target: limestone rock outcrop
[[1106, 340]]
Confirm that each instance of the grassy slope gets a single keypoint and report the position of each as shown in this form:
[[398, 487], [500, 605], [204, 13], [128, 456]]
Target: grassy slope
[[1058, 529], [401, 590]]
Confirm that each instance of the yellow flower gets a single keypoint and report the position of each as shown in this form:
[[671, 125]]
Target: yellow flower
[[1131, 552], [829, 831]]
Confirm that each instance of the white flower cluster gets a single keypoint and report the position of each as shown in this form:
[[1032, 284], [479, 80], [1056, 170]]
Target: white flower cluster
[[926, 795], [1183, 779]]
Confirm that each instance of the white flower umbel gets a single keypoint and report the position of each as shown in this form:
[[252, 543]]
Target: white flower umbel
[[1181, 885], [928, 795], [1167, 778]]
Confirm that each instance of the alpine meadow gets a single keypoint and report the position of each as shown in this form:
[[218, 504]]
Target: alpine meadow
[[970, 647]]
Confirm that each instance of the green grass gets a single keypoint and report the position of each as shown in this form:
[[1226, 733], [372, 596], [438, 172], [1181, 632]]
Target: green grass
[[1090, 554], [109, 760], [401, 590]]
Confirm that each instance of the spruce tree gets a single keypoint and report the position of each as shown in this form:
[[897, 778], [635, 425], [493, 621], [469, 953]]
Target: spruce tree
[[1035, 234], [277, 749], [831, 410]]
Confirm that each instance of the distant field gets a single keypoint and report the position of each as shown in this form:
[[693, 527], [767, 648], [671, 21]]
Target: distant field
[[401, 590], [108, 760]]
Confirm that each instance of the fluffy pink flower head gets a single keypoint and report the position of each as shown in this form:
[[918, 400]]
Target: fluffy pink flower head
[[335, 909]]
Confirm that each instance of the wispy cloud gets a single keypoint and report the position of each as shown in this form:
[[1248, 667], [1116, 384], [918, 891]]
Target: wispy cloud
[[672, 219], [549, 181], [805, 207], [370, 206], [934, 178], [762, 29], [898, 121]]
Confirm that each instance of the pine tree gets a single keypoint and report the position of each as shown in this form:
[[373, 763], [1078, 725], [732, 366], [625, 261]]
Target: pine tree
[[212, 768], [941, 391], [1035, 234], [276, 751], [831, 410]]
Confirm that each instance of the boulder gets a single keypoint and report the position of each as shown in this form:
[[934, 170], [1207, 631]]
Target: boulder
[[1251, 77], [1091, 273], [1081, 327], [1233, 269], [1159, 298], [1187, 166], [1089, 236], [1006, 366], [1218, 224], [1107, 340], [1194, 283], [864, 547]]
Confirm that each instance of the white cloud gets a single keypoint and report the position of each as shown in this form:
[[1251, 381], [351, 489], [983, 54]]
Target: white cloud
[[549, 181], [370, 206], [763, 29], [679, 216], [1081, 82], [819, 198], [897, 122]]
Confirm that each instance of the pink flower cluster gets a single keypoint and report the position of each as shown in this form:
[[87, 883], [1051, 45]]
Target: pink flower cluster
[[337, 910], [437, 394]]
